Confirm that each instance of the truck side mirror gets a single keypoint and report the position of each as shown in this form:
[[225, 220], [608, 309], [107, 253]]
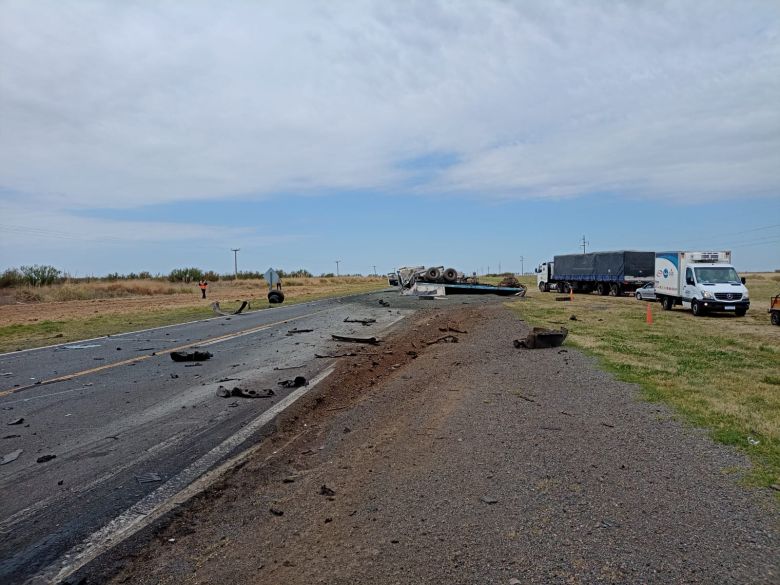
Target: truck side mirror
[[743, 280]]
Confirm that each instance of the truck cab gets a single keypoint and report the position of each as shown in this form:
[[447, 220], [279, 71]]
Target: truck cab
[[700, 281], [544, 274]]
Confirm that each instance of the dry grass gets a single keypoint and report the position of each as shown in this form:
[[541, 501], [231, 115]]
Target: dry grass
[[721, 372]]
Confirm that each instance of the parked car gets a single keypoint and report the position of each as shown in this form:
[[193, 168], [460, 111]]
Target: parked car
[[646, 293]]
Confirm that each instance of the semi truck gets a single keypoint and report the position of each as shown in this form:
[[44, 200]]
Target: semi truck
[[607, 273], [700, 281]]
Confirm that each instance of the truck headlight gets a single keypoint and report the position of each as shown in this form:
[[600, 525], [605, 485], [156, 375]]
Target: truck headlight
[[706, 295], [746, 296]]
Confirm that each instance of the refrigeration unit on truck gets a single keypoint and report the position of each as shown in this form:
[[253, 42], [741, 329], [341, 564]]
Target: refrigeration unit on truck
[[608, 273], [701, 282]]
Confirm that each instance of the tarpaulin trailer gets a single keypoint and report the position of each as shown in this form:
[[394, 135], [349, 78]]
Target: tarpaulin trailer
[[612, 273]]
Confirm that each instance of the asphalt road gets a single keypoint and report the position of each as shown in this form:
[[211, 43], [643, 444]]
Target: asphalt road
[[121, 417]]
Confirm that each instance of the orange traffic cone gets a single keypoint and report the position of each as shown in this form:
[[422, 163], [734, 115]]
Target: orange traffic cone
[[649, 317]]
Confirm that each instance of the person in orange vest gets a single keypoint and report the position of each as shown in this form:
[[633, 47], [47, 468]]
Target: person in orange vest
[[203, 286]]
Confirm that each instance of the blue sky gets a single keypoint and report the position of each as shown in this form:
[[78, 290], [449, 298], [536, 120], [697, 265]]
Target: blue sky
[[148, 136]]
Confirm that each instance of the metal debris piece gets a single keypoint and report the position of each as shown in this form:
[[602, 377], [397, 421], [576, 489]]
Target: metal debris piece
[[148, 478], [338, 355], [12, 436], [193, 356], [451, 330], [17, 421], [242, 393], [12, 456], [45, 458], [277, 368], [276, 512], [81, 346], [326, 491], [443, 339], [361, 321], [296, 382], [216, 308], [294, 331], [384, 303], [540, 338], [488, 500], [349, 339]]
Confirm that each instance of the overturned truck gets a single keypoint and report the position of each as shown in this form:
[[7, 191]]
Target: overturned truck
[[437, 281]]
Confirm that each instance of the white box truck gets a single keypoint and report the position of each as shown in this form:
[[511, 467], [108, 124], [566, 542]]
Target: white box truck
[[700, 281]]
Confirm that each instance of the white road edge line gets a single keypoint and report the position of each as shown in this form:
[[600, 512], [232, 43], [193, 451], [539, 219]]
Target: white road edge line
[[189, 482]]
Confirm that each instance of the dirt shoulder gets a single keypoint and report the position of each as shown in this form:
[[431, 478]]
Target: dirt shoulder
[[472, 462]]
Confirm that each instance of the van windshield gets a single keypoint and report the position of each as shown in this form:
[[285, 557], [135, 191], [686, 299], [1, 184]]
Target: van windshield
[[717, 275]]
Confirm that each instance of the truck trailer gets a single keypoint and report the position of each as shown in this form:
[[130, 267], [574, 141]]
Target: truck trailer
[[701, 282], [607, 273]]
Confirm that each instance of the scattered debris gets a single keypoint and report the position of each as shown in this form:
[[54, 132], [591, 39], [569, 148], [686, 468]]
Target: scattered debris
[[276, 512], [148, 478], [241, 393], [193, 365], [452, 330], [45, 458], [81, 346], [294, 331], [174, 376], [6, 373], [296, 382], [193, 356], [562, 298], [573, 318], [369, 340], [563, 412], [510, 281], [607, 425], [524, 397], [12, 436], [276, 368], [412, 354], [338, 355], [488, 500], [551, 428], [17, 421], [361, 321], [326, 491], [384, 303], [228, 380], [12, 456], [753, 442], [215, 307], [443, 339], [542, 338]]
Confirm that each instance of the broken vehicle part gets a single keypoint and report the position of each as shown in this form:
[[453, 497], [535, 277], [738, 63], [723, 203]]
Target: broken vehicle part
[[17, 421], [540, 338], [216, 308], [296, 382], [361, 321], [223, 392], [12, 456], [349, 339], [45, 458], [193, 356], [276, 297], [443, 339], [294, 331]]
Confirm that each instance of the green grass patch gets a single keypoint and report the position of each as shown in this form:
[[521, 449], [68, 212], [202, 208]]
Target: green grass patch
[[718, 372]]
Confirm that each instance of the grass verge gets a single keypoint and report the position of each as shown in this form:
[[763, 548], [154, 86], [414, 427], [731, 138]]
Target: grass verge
[[719, 372]]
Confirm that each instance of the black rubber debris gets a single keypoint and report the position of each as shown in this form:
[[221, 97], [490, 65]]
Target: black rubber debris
[[296, 382], [193, 356]]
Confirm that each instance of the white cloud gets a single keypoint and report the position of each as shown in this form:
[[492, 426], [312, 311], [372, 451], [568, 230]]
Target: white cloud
[[121, 104]]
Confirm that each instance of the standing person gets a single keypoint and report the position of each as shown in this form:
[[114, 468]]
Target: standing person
[[203, 286]]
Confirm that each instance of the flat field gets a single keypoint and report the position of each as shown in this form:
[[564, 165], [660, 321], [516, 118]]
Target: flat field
[[720, 372], [41, 316]]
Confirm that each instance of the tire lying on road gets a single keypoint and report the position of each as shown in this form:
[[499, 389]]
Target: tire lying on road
[[275, 297]]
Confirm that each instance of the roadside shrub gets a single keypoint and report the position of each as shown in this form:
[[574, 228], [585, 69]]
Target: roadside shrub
[[211, 276], [185, 275], [36, 275], [11, 277]]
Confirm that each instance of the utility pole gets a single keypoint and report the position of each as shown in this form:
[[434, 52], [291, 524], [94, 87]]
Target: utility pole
[[235, 261], [521, 266], [499, 266], [337, 266], [584, 244], [374, 270]]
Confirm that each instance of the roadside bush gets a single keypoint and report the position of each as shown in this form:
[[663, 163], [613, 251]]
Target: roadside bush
[[11, 277], [40, 275], [185, 275], [211, 276]]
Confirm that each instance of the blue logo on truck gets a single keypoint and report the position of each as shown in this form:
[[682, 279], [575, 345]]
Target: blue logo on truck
[[666, 273]]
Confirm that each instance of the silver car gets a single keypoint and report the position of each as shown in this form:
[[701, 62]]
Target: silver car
[[646, 293]]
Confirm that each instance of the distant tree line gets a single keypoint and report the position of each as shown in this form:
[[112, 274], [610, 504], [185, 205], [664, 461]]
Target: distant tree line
[[42, 275]]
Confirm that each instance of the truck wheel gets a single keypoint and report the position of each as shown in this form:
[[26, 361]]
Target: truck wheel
[[276, 297], [775, 317], [450, 275], [541, 287], [614, 290], [563, 287], [432, 274], [603, 289], [697, 309], [667, 303], [740, 312]]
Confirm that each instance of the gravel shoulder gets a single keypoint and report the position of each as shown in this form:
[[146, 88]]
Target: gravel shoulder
[[470, 462]]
